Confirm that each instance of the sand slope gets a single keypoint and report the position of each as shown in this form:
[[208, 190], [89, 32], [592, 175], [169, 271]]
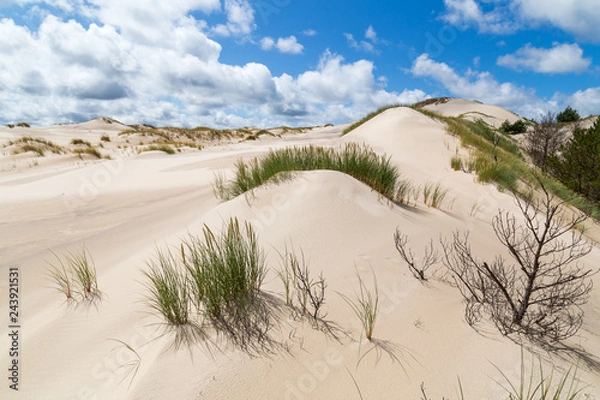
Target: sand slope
[[122, 210], [473, 110]]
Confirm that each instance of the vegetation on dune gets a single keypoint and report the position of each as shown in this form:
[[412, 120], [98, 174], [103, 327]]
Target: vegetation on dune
[[75, 276], [304, 294], [540, 294], [213, 278], [368, 117], [577, 162], [161, 147], [88, 150], [357, 161], [515, 128], [365, 305], [77, 141], [37, 145], [568, 115], [496, 158]]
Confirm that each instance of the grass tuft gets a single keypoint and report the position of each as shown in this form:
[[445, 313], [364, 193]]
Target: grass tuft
[[456, 163], [88, 150], [366, 305], [357, 161], [160, 147], [37, 145], [541, 385], [76, 276], [168, 287]]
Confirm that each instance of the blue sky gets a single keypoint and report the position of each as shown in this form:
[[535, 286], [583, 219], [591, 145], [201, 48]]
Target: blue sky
[[231, 63]]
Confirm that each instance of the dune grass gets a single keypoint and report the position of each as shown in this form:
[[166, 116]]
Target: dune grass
[[366, 305], [88, 150], [368, 117], [165, 148], [77, 141], [37, 145], [168, 289], [216, 278], [357, 161], [497, 159], [540, 385], [226, 270], [456, 163], [75, 275]]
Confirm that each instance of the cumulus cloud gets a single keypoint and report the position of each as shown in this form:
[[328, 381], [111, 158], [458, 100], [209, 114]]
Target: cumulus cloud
[[481, 86], [240, 19], [287, 45], [561, 58], [587, 102], [371, 34], [310, 32], [469, 13], [579, 18], [362, 45], [334, 84], [168, 71]]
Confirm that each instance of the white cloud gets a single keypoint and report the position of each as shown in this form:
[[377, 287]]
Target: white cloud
[[240, 19], [371, 34], [267, 43], [561, 58], [578, 17], [333, 85], [310, 32], [587, 102], [468, 13], [287, 45], [362, 45], [481, 86], [165, 70]]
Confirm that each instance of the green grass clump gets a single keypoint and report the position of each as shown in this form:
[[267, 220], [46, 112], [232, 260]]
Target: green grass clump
[[161, 147], [456, 163], [88, 150], [368, 117], [215, 278], [168, 289], [105, 138], [503, 163], [75, 275], [78, 141], [357, 161], [366, 305], [226, 271], [541, 385], [37, 145]]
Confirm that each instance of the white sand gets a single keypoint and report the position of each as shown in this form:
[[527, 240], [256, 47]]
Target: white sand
[[123, 209], [473, 110]]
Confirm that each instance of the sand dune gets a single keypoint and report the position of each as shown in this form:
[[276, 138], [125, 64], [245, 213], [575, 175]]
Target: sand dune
[[492, 115], [123, 209]]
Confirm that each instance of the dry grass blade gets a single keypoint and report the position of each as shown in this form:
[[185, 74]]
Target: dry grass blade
[[366, 305]]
